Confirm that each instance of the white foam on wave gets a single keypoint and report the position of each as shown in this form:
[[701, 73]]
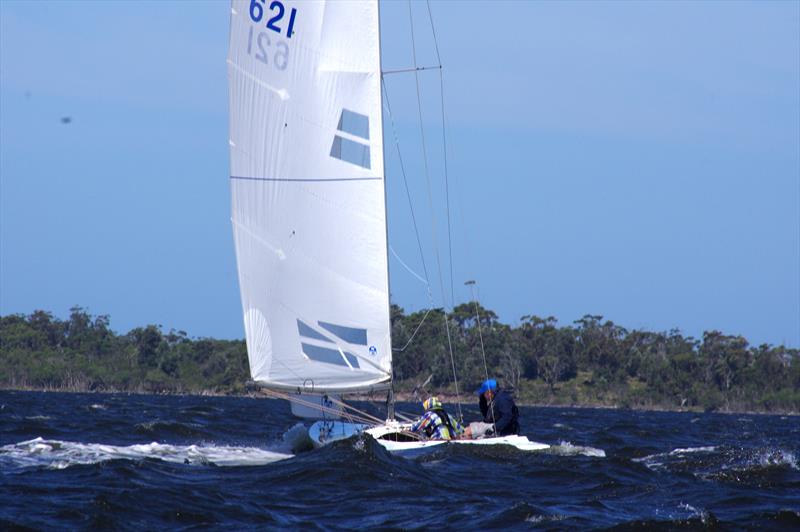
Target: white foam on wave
[[295, 440], [695, 513], [541, 519], [56, 454], [654, 461], [565, 448], [768, 458], [686, 450], [735, 460]]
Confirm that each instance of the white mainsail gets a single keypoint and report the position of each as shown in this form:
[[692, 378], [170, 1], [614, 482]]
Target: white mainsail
[[307, 190]]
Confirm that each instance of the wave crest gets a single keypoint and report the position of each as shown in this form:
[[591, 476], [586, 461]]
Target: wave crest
[[727, 464], [57, 454], [565, 448]]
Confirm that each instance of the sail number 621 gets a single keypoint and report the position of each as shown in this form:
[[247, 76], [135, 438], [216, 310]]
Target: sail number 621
[[277, 11]]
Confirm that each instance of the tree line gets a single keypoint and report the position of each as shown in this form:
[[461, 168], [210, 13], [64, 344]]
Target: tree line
[[82, 353], [591, 361]]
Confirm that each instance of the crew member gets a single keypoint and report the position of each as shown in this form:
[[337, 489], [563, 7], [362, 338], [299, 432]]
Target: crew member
[[498, 408], [435, 423]]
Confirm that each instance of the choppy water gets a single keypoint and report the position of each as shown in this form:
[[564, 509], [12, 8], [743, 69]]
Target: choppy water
[[132, 462]]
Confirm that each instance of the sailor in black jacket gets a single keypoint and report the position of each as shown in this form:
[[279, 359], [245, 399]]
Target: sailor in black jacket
[[498, 408]]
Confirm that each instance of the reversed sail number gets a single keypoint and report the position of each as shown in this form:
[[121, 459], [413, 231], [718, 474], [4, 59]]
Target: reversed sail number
[[277, 11], [262, 43]]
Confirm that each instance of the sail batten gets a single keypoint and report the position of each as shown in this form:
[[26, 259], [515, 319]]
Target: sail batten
[[307, 193]]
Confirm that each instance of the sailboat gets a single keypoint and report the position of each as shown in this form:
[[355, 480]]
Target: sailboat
[[308, 210]]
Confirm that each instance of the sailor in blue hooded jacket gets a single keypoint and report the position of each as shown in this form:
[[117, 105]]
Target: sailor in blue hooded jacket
[[498, 408]]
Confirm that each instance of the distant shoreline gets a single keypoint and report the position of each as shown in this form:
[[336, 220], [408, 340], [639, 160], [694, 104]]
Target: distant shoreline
[[470, 399], [591, 363], [407, 397]]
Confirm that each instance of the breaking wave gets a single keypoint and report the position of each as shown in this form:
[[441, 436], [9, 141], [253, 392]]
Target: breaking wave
[[660, 470], [565, 448], [56, 454], [687, 450], [158, 427], [755, 466]]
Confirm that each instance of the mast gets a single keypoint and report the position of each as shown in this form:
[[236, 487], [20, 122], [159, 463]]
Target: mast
[[390, 398]]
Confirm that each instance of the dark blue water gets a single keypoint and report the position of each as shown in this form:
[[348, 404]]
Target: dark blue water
[[132, 462]]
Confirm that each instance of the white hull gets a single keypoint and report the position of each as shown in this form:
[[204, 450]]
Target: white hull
[[322, 433], [382, 431], [325, 432]]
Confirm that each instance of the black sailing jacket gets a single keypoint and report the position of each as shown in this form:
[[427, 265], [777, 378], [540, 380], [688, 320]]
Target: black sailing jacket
[[502, 412]]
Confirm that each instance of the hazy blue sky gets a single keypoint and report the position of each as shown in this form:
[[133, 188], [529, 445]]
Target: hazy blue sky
[[635, 160]]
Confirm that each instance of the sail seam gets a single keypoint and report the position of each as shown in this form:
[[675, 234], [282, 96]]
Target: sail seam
[[305, 180], [303, 254]]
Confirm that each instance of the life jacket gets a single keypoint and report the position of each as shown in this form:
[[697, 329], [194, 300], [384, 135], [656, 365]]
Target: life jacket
[[445, 420]]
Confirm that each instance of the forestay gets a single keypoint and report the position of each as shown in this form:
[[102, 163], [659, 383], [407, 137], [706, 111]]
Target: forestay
[[308, 208]]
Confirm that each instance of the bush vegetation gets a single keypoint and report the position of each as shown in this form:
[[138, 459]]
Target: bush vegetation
[[589, 362]]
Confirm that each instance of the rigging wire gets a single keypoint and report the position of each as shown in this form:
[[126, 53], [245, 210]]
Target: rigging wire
[[403, 70], [446, 182], [408, 268], [426, 280], [408, 190], [354, 409], [444, 152], [461, 210], [324, 409], [430, 203], [400, 350], [480, 333], [358, 416]]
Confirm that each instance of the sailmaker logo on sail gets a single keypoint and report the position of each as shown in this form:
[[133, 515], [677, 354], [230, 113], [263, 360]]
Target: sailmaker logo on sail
[[333, 354], [347, 145]]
